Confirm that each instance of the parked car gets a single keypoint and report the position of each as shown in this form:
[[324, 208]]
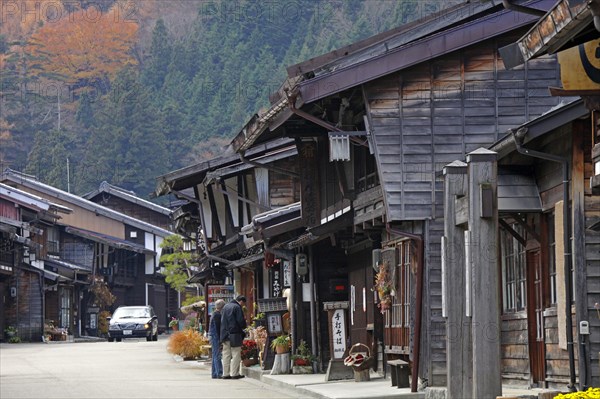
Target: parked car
[[133, 322]]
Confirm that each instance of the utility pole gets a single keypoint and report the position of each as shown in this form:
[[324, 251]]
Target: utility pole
[[58, 102], [68, 175]]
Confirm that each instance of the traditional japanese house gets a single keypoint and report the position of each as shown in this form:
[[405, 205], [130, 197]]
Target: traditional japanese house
[[374, 124], [546, 263], [571, 30], [22, 281], [95, 240], [127, 202], [226, 194]]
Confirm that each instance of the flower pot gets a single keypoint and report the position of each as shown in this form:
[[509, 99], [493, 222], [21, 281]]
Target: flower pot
[[279, 349], [301, 362], [175, 327], [249, 362], [302, 369]]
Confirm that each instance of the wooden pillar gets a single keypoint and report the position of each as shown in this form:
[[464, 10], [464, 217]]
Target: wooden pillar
[[459, 361], [482, 256], [580, 130]]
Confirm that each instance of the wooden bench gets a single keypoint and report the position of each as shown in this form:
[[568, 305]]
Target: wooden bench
[[400, 372]]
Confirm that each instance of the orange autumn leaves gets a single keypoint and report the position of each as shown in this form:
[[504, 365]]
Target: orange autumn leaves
[[84, 47]]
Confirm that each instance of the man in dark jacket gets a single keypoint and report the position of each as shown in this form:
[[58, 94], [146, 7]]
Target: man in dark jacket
[[233, 325]]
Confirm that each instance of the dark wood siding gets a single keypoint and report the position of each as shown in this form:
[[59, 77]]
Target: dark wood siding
[[284, 189], [557, 359], [430, 115], [133, 210], [433, 291], [25, 310], [515, 352]]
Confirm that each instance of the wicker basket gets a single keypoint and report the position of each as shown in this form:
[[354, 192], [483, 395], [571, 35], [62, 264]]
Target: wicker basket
[[361, 355]]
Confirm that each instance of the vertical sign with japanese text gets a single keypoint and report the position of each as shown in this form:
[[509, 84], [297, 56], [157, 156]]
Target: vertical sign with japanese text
[[276, 282], [287, 274], [338, 328]]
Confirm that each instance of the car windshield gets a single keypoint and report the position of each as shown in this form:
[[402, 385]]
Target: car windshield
[[124, 313]]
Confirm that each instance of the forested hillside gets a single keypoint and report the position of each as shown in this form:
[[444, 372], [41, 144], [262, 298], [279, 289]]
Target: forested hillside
[[124, 91]]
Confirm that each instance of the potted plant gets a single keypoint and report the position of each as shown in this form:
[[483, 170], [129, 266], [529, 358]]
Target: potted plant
[[259, 320], [11, 332], [249, 352], [281, 344], [302, 360], [174, 323]]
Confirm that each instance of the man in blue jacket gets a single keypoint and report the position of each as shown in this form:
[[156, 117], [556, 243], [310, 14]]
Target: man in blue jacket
[[214, 331], [233, 325]]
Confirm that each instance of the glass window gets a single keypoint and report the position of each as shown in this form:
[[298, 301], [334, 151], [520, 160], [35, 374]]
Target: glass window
[[65, 307], [551, 258], [514, 292]]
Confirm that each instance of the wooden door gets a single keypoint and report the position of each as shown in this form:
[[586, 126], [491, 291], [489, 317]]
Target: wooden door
[[535, 317]]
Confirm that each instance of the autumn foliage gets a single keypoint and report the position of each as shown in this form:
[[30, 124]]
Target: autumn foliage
[[84, 47]]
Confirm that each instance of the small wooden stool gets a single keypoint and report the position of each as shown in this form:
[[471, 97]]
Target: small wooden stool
[[400, 371]]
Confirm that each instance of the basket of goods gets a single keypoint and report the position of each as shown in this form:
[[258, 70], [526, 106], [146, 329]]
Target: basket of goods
[[359, 357]]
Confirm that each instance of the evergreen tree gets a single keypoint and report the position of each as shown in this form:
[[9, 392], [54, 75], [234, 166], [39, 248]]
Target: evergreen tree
[[157, 66], [48, 158], [85, 113], [128, 144]]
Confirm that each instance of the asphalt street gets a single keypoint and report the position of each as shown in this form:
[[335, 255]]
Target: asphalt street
[[129, 369]]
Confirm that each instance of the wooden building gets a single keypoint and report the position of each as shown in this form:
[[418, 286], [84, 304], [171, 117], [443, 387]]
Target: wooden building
[[546, 254], [22, 282], [98, 241], [229, 196], [127, 202], [570, 29], [374, 124]]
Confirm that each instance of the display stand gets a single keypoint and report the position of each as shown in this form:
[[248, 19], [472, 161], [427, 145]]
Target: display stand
[[336, 318], [274, 309], [281, 364]]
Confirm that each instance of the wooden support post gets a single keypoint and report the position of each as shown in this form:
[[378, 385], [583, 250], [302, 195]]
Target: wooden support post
[[459, 360], [485, 303], [578, 248]]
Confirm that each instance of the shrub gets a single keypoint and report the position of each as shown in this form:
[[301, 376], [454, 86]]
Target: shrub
[[103, 322], [187, 344], [303, 356], [591, 393]]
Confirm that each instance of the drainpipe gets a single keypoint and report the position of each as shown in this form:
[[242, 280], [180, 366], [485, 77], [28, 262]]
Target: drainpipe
[[418, 306], [526, 10], [518, 138]]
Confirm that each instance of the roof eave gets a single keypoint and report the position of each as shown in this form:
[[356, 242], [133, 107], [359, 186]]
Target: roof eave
[[416, 52], [562, 22]]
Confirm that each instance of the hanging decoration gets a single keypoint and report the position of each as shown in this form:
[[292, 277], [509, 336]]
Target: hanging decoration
[[384, 285]]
